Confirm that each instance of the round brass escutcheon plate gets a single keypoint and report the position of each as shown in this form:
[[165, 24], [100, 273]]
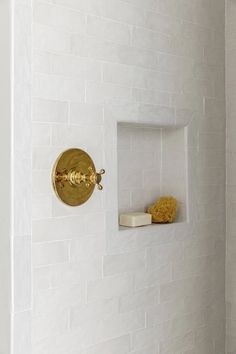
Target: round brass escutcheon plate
[[74, 177]]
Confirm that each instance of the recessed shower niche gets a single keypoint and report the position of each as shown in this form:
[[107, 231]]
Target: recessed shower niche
[[152, 162]]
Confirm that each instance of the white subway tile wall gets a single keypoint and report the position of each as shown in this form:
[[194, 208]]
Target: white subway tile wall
[[149, 291]]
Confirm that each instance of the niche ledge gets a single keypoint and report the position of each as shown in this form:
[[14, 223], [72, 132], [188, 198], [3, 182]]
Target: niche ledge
[[152, 162]]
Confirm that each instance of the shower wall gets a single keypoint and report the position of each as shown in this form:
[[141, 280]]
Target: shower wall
[[160, 291], [231, 176]]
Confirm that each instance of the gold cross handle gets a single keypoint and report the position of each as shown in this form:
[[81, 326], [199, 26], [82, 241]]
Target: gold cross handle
[[99, 178], [75, 178]]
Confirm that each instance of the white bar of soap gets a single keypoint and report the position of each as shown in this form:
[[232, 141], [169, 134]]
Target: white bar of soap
[[135, 219]]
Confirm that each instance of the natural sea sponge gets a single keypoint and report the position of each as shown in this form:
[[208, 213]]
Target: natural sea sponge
[[164, 210]]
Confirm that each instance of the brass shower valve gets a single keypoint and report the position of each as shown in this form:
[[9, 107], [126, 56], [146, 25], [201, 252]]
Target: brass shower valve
[[74, 177]]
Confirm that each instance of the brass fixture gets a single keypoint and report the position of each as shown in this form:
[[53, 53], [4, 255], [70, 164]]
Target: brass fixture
[[74, 177]]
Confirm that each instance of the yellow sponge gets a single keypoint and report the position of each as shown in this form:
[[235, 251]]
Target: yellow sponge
[[164, 210]]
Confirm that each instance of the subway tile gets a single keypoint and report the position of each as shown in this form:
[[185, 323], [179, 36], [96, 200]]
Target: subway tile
[[50, 39], [57, 344], [108, 30], [151, 97], [149, 4], [73, 66], [186, 287], [151, 114], [59, 17], [86, 114], [123, 263], [215, 195], [140, 143], [68, 274], [122, 111], [93, 334], [166, 311], [212, 141], [212, 176], [188, 47], [199, 87], [122, 12], [142, 38], [49, 301], [109, 287], [192, 102], [178, 327], [161, 81], [163, 254], [41, 134], [42, 278], [59, 88], [44, 157], [94, 311], [178, 344], [95, 223], [108, 51], [198, 247], [153, 277], [144, 299], [41, 206], [96, 204], [41, 183], [124, 136], [213, 124], [51, 229], [150, 349], [119, 324], [213, 55], [196, 267], [64, 135], [87, 247], [146, 337], [214, 108], [79, 5], [49, 111], [123, 323], [183, 11], [118, 74], [146, 139], [120, 345], [50, 253], [44, 326], [42, 62], [137, 57], [162, 23], [99, 93]]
